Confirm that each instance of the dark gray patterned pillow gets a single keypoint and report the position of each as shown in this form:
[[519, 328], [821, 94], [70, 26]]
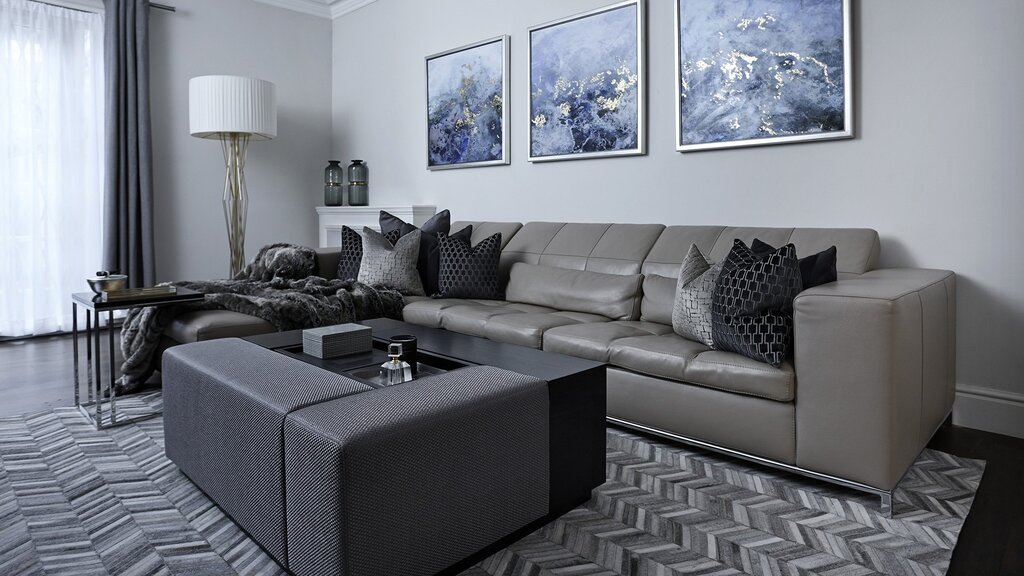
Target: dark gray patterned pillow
[[469, 271], [352, 252], [751, 310], [691, 311], [394, 266]]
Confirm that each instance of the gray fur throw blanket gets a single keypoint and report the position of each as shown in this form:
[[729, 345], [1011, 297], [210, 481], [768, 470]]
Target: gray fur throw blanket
[[287, 303]]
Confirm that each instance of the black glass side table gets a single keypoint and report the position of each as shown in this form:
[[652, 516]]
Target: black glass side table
[[100, 390]]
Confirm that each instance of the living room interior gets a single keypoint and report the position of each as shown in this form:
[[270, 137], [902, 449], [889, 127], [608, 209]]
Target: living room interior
[[595, 401]]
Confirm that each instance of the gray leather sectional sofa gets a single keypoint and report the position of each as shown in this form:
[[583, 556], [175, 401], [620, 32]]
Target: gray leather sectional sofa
[[870, 380]]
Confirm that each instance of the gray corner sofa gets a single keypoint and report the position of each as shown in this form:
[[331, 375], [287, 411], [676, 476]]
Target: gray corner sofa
[[870, 380]]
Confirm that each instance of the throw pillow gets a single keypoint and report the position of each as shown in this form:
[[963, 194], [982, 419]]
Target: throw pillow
[[352, 252], [281, 260], [429, 261], [751, 308], [469, 271], [394, 266], [691, 311], [815, 270]]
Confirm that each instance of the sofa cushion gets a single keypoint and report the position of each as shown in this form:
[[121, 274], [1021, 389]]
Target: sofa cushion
[[673, 357], [469, 271], [691, 311], [659, 295], [752, 304], [212, 324], [614, 296], [391, 265], [526, 329], [591, 341]]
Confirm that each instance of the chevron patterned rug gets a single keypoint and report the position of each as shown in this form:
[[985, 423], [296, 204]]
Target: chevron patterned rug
[[76, 501]]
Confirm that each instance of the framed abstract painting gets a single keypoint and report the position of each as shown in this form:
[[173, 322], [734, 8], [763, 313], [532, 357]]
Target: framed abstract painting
[[762, 72], [467, 105], [587, 85]]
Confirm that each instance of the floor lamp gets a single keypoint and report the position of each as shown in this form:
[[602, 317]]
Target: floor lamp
[[234, 110]]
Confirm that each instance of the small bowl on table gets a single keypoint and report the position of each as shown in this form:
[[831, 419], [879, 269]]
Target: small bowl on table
[[107, 283]]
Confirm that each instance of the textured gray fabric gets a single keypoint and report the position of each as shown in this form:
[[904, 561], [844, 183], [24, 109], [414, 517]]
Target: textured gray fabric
[[691, 312], [225, 402], [394, 266], [128, 186], [429, 472]]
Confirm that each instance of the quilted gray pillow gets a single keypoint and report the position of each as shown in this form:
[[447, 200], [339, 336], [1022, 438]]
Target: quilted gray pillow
[[391, 266], [691, 312]]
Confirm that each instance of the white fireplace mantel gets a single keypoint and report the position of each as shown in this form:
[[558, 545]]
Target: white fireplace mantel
[[332, 218]]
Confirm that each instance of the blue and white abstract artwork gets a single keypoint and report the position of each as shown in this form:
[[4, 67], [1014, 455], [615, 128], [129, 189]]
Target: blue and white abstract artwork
[[762, 72], [586, 85], [466, 106]]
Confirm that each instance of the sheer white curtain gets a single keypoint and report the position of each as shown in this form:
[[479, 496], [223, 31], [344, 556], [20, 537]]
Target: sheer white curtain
[[51, 162]]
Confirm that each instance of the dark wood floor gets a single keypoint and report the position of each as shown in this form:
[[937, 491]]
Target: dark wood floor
[[35, 374]]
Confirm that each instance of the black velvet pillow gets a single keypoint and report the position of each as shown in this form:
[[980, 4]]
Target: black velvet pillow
[[429, 260], [469, 271], [815, 270], [751, 308], [352, 252]]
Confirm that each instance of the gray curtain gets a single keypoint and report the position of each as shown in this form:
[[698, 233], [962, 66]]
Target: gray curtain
[[128, 191]]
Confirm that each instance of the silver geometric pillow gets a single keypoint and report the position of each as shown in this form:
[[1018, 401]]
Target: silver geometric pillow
[[691, 312], [391, 266]]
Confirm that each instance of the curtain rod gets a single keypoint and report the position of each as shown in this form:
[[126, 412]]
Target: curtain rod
[[151, 5]]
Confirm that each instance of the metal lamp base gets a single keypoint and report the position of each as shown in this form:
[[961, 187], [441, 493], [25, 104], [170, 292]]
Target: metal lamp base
[[236, 197]]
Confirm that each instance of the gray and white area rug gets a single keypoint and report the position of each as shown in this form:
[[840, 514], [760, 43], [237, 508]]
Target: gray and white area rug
[[76, 501]]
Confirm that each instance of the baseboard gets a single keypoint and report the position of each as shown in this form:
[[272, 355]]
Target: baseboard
[[989, 409]]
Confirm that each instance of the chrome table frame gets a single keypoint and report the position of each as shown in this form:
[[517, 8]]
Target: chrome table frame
[[100, 389]]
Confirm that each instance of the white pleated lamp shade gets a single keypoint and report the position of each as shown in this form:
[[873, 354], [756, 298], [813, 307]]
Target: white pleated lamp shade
[[219, 105]]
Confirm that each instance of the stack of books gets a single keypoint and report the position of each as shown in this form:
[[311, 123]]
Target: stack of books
[[139, 293], [338, 340]]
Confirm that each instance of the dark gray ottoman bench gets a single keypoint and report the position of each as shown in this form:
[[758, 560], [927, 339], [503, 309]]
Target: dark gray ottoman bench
[[408, 479]]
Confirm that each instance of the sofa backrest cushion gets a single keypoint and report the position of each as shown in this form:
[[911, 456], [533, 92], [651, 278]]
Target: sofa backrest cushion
[[857, 249], [658, 299], [615, 296], [605, 248], [484, 230]]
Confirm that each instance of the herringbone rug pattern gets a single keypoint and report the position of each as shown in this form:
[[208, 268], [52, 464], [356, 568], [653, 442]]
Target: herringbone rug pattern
[[76, 501]]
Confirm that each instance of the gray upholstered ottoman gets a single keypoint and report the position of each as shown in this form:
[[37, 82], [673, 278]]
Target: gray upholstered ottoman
[[225, 402], [410, 479]]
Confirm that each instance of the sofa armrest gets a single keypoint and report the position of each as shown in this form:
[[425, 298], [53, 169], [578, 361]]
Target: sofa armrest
[[327, 261], [875, 367]]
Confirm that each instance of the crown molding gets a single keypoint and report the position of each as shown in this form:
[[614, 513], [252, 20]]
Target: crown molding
[[342, 7], [323, 8]]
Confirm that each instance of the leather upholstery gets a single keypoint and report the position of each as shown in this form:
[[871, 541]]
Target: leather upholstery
[[607, 248], [659, 296], [615, 296], [673, 357], [211, 324], [736, 421], [880, 346], [857, 248], [482, 230], [592, 341], [327, 262], [524, 329]]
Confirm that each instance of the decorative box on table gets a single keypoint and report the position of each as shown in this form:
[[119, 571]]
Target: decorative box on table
[[337, 340]]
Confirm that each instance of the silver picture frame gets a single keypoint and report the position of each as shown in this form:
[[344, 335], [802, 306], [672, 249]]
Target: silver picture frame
[[641, 84], [505, 105], [848, 103]]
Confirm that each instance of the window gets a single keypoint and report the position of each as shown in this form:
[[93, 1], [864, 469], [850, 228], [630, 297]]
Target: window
[[51, 162]]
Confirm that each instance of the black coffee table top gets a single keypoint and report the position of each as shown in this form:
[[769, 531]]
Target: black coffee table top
[[94, 301], [547, 366], [452, 346]]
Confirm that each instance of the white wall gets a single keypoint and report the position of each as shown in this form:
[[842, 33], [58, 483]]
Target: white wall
[[936, 166], [284, 175]]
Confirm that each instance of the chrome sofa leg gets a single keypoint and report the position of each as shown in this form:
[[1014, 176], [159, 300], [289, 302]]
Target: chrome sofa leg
[[887, 504]]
